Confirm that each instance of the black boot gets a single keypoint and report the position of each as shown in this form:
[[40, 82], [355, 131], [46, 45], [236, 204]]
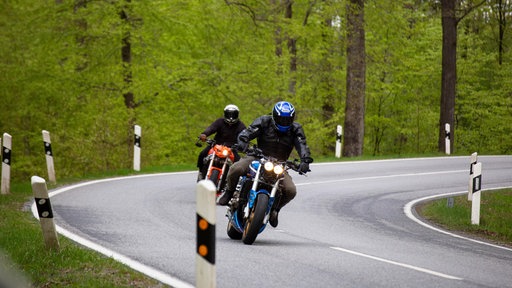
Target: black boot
[[225, 197], [273, 219]]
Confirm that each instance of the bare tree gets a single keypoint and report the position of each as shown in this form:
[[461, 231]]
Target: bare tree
[[356, 80]]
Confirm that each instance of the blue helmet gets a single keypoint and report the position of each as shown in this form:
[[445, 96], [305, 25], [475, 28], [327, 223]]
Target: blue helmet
[[283, 116]]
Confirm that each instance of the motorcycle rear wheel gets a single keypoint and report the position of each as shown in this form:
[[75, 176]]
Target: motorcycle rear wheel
[[232, 232], [253, 224]]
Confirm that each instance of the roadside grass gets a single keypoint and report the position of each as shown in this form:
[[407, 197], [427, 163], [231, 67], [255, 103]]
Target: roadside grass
[[495, 216], [23, 253]]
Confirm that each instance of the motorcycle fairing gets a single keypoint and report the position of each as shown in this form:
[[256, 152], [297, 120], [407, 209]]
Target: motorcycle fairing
[[238, 223], [253, 194], [223, 152], [253, 168]]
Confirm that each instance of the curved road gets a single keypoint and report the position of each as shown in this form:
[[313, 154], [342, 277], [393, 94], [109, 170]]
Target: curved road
[[345, 228]]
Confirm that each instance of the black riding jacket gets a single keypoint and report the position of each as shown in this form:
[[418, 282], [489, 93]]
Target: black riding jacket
[[274, 143], [225, 134]]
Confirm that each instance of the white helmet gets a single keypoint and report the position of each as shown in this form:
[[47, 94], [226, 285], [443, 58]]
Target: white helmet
[[231, 114]]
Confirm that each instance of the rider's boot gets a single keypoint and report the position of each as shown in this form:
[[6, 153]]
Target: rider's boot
[[273, 219], [225, 197]]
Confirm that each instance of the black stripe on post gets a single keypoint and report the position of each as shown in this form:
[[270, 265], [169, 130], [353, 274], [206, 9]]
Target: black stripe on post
[[44, 208], [48, 148], [6, 155], [205, 239], [477, 183], [137, 141]]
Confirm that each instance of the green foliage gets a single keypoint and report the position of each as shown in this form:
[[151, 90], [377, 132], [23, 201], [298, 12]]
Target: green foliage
[[62, 71], [403, 79], [484, 106]]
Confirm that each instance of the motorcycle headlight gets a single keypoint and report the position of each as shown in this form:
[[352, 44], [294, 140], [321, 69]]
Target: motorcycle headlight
[[225, 152], [269, 166], [278, 169]]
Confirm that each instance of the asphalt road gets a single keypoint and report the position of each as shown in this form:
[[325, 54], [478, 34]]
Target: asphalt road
[[347, 227]]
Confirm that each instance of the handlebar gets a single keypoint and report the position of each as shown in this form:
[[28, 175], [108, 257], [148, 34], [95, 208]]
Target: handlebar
[[258, 153], [208, 141], [291, 164], [254, 151], [295, 165]]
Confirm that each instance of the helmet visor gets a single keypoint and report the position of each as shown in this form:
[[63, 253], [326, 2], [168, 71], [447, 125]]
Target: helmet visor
[[231, 115], [284, 121]]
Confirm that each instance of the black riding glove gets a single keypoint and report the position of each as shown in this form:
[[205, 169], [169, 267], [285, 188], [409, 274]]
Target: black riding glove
[[242, 146], [303, 167]]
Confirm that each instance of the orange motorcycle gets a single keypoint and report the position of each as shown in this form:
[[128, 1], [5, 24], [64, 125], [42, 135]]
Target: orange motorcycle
[[218, 161]]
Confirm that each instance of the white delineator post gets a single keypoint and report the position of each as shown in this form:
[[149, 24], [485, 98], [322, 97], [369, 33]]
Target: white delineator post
[[339, 134], [44, 210], [471, 167], [205, 248], [6, 164], [447, 138], [136, 148], [49, 156], [477, 187]]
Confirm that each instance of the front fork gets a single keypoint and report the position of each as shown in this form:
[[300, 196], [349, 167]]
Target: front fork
[[231, 212], [254, 194], [209, 171]]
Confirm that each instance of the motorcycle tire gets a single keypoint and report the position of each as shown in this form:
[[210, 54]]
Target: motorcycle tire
[[214, 177], [255, 220], [232, 232]]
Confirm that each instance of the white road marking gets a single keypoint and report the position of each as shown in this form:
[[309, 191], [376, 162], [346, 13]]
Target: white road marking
[[438, 274], [145, 269], [408, 211], [382, 177]]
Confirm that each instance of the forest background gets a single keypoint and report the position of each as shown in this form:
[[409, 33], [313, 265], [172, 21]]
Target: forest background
[[88, 71]]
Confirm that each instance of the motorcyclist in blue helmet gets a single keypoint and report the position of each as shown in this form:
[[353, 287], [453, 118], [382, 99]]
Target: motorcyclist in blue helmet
[[283, 116], [276, 135]]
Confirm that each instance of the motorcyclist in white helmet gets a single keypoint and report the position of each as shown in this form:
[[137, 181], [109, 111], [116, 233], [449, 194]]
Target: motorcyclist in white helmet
[[226, 130]]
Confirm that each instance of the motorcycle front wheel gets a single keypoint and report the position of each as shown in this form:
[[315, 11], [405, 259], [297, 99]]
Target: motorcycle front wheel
[[214, 177], [255, 220]]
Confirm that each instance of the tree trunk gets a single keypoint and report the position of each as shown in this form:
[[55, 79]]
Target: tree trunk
[[81, 38], [356, 82], [291, 42], [292, 49], [126, 56], [502, 21], [449, 72]]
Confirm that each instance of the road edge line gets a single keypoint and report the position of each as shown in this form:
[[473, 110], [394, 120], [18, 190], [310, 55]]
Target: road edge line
[[135, 265], [408, 212]]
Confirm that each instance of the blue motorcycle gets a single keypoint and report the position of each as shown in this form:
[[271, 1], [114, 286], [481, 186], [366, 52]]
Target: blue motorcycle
[[255, 196]]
